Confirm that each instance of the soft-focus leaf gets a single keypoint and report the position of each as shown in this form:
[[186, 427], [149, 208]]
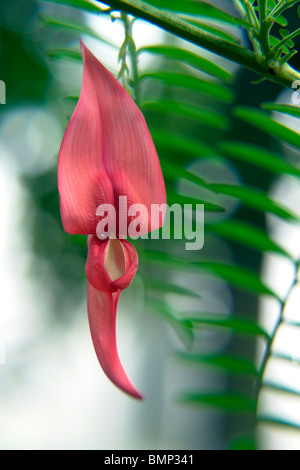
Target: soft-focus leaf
[[256, 199], [186, 57], [204, 116], [165, 287], [242, 443], [273, 420], [199, 8], [283, 108], [175, 171], [183, 328], [176, 198], [72, 26], [246, 234], [218, 32], [228, 364], [280, 388], [184, 148], [239, 325], [189, 82], [238, 277], [84, 5], [234, 275], [258, 156], [65, 54], [264, 122], [226, 401], [285, 356]]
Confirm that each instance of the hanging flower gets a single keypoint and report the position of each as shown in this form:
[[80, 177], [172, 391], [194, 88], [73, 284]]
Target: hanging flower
[[107, 157]]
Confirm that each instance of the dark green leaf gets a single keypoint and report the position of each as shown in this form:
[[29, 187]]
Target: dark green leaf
[[283, 108], [242, 443], [284, 33], [274, 41], [226, 401], [281, 20]]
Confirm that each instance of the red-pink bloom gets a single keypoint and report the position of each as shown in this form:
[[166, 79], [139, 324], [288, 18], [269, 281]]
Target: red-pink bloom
[[107, 152]]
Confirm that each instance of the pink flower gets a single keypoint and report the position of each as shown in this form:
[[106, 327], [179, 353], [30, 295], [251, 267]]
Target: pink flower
[[107, 152]]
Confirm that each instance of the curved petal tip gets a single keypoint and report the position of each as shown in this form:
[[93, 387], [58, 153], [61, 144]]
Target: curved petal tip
[[102, 308]]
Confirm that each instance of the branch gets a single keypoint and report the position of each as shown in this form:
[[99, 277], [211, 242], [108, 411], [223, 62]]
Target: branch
[[268, 350], [181, 28]]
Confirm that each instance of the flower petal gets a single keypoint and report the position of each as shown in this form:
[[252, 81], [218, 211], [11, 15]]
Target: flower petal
[[111, 264], [102, 311], [107, 152]]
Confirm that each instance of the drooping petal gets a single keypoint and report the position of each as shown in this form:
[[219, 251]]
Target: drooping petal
[[107, 152], [102, 311], [110, 267]]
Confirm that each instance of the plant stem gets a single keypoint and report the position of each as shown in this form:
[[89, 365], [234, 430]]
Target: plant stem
[[285, 39], [134, 63], [281, 7], [195, 35], [252, 19], [268, 350], [262, 8], [249, 11], [128, 48], [265, 27]]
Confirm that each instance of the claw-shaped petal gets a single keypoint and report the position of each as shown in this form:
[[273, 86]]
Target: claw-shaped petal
[[110, 267]]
